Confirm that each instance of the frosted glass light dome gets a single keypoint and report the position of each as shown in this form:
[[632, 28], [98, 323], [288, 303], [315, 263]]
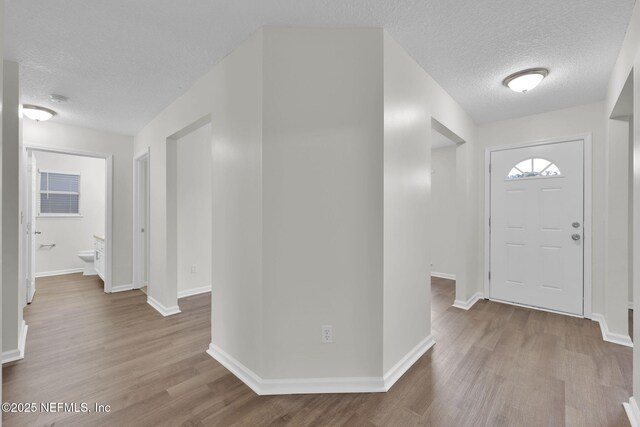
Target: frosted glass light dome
[[524, 81], [39, 114]]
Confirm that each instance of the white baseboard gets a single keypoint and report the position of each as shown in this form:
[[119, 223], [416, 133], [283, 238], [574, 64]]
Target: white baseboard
[[264, 387], [443, 275], [609, 336], [165, 311], [121, 288], [18, 353], [466, 305], [244, 374], [399, 369], [633, 412], [194, 291], [59, 272]]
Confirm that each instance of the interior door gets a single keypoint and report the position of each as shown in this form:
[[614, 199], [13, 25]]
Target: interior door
[[145, 220], [536, 226], [31, 208]]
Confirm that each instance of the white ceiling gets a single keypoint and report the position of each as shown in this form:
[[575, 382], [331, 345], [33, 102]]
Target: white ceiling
[[121, 62]]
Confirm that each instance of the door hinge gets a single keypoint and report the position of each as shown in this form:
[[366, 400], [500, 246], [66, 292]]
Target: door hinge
[[489, 222], [489, 275]]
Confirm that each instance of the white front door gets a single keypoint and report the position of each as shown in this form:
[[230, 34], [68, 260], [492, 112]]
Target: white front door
[[536, 226]]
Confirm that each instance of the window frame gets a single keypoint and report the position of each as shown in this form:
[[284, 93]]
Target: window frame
[[539, 175], [41, 214]]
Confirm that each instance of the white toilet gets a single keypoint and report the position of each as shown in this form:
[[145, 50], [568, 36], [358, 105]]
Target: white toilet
[[87, 258]]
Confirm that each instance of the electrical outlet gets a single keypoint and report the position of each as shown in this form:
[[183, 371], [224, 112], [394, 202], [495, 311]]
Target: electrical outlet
[[327, 334], [194, 268]]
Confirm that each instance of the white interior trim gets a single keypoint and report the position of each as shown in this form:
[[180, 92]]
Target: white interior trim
[[443, 275], [609, 336], [165, 311], [18, 353], [121, 288], [108, 229], [466, 305], [194, 291], [403, 365], [633, 412], [264, 387], [588, 193], [59, 272], [630, 305], [138, 201]]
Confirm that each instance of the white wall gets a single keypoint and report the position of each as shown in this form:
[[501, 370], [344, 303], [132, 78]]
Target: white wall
[[71, 234], [1, 145], [411, 100], [13, 292], [53, 135], [231, 95], [443, 210], [298, 200], [629, 62], [616, 278], [407, 216], [322, 202], [194, 209]]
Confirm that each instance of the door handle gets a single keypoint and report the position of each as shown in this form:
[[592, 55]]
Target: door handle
[[576, 236], [37, 232]]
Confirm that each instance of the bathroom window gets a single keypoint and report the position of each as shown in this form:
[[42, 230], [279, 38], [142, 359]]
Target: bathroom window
[[59, 194]]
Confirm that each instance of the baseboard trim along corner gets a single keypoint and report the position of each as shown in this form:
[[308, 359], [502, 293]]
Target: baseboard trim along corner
[[400, 368], [443, 275], [466, 305], [165, 311], [194, 291], [121, 288], [633, 412], [609, 336], [18, 353], [264, 387], [59, 272]]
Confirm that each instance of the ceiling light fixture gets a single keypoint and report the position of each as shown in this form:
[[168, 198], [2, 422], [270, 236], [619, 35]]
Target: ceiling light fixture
[[525, 80], [39, 114]]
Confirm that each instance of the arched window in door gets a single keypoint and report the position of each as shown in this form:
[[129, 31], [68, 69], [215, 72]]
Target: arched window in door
[[534, 167]]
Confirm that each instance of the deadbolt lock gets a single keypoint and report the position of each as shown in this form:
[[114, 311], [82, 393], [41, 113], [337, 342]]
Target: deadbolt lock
[[575, 225]]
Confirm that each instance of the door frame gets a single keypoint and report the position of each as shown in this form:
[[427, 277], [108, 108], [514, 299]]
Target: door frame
[[138, 201], [587, 278], [108, 227]]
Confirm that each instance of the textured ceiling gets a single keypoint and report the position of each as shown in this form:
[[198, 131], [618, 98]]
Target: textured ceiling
[[121, 62]]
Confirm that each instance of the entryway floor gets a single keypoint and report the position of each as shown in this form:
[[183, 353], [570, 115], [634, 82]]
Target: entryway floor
[[492, 365]]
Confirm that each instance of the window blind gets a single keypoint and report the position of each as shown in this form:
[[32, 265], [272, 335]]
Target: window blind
[[59, 193]]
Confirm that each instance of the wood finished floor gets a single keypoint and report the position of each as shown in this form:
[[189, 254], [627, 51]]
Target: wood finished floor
[[494, 365]]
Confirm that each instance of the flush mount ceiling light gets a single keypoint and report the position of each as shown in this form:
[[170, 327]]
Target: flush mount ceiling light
[[39, 114], [525, 80]]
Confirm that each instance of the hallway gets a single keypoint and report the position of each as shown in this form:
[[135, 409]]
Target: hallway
[[493, 365]]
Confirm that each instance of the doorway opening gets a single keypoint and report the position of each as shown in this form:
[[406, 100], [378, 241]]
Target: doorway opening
[[620, 226], [444, 219], [538, 225], [141, 226], [189, 201], [67, 206]]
